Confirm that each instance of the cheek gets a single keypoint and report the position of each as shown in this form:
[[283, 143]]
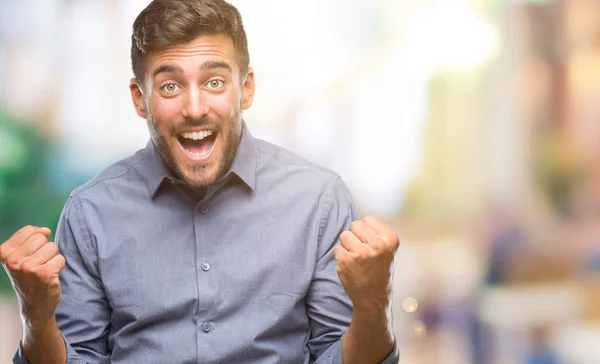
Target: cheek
[[165, 112], [224, 103]]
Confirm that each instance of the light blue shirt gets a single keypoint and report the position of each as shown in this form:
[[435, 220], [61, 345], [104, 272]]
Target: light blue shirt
[[243, 272]]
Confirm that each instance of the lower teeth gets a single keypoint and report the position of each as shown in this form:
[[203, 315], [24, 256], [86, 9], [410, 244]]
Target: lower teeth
[[196, 154]]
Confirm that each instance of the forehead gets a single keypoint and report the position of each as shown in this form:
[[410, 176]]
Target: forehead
[[190, 55]]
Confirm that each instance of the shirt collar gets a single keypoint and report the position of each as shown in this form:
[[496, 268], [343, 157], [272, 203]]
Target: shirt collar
[[155, 169], [244, 164]]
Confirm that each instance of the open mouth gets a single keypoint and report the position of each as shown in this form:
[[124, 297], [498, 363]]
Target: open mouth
[[198, 144]]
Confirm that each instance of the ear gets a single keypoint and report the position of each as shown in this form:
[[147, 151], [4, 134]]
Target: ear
[[248, 89], [137, 97]]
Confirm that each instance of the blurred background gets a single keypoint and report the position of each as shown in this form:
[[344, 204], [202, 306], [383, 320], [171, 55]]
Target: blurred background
[[471, 126]]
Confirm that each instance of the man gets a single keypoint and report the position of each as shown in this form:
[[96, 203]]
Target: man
[[207, 246]]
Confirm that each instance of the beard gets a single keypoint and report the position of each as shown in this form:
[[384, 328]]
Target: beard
[[199, 175]]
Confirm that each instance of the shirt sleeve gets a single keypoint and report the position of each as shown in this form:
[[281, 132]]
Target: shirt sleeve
[[328, 306], [83, 313]]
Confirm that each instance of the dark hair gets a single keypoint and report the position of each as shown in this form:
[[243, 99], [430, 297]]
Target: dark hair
[[164, 23]]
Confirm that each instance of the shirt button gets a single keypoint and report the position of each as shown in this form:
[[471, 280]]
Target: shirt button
[[204, 210], [205, 267], [206, 327]]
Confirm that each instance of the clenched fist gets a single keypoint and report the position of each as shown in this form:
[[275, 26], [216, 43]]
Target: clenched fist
[[364, 260], [33, 265]]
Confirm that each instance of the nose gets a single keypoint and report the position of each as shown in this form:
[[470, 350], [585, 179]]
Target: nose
[[195, 104]]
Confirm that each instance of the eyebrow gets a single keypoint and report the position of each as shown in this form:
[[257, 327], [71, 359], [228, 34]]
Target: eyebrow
[[167, 68], [204, 67], [213, 65]]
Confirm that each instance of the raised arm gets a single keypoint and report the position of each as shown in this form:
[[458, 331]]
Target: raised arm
[[66, 316]]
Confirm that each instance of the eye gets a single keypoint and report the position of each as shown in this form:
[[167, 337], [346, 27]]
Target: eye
[[215, 84], [170, 87]]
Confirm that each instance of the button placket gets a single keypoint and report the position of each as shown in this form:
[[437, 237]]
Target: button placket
[[204, 256]]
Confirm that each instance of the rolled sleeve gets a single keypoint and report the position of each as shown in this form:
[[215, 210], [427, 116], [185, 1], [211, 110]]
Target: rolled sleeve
[[72, 356], [333, 355]]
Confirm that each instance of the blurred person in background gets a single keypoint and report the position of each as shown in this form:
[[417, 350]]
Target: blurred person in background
[[208, 245], [542, 352]]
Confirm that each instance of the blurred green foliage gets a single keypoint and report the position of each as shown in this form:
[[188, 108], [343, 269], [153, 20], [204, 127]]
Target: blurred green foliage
[[27, 196]]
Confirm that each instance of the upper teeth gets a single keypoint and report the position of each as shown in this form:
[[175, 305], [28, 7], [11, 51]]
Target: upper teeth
[[197, 135]]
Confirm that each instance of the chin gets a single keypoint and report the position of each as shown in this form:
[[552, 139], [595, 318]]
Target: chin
[[200, 183], [201, 178]]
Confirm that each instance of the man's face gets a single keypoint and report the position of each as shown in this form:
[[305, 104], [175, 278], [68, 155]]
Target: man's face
[[192, 99]]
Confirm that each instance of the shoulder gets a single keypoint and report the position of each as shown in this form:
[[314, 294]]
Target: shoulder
[[274, 157], [285, 174], [125, 171]]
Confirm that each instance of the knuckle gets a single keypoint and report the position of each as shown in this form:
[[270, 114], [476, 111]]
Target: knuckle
[[28, 229], [377, 250], [377, 247], [364, 255], [24, 232], [13, 262], [61, 261], [346, 260], [369, 219], [391, 237], [52, 248], [54, 282], [38, 237], [345, 235], [28, 268], [43, 274], [336, 251]]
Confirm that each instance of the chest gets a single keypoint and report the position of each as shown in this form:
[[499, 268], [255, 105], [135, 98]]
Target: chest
[[169, 258]]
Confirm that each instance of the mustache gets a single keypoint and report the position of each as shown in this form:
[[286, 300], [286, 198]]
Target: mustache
[[187, 123]]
